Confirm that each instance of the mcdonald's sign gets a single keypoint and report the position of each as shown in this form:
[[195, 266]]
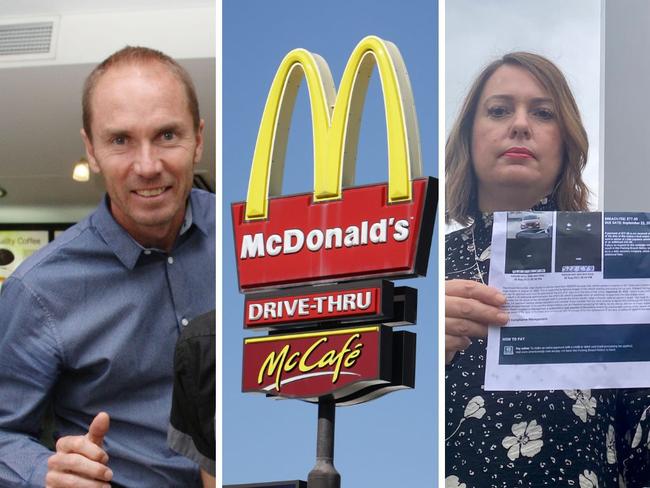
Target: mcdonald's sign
[[320, 260], [338, 232]]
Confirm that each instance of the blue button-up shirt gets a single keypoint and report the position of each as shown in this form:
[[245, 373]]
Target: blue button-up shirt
[[89, 323]]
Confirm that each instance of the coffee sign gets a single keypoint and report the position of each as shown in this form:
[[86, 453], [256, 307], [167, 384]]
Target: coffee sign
[[314, 364]]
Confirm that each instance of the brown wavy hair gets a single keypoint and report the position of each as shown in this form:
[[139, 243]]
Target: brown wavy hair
[[570, 191]]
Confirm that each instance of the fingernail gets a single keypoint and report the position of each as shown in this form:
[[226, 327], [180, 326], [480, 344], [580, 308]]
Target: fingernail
[[108, 474], [503, 317], [501, 298]]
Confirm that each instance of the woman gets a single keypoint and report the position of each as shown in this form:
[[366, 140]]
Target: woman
[[518, 144]]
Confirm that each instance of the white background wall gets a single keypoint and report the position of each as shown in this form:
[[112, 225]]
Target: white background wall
[[626, 114], [567, 32]]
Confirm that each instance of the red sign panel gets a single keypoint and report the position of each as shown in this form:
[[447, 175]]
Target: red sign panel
[[304, 305], [360, 235], [315, 364]]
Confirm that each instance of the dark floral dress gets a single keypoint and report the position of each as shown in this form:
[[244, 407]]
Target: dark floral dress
[[633, 415], [529, 438]]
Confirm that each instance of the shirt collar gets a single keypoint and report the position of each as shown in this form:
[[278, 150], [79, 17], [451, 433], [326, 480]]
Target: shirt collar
[[117, 239], [120, 241], [187, 220], [201, 215]]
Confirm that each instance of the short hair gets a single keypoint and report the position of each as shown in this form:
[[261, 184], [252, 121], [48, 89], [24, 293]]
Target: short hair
[[570, 191], [138, 55]]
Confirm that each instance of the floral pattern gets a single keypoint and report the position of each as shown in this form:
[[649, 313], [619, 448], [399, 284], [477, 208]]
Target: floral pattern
[[454, 482], [611, 445], [588, 479], [526, 440], [474, 409], [585, 404], [633, 427]]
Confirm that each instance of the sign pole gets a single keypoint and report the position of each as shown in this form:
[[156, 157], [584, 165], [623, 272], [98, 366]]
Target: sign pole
[[324, 474]]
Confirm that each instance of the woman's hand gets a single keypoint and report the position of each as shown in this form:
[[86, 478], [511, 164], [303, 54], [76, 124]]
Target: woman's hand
[[469, 308]]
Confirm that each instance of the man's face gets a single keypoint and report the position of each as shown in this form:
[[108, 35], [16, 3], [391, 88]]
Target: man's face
[[145, 145]]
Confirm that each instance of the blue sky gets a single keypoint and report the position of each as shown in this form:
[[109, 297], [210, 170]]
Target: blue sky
[[390, 442]]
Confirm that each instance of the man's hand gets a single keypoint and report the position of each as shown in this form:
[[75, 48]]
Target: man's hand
[[469, 308], [80, 461], [208, 480]]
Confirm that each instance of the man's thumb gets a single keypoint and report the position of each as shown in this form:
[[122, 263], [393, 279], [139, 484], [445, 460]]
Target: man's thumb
[[98, 428]]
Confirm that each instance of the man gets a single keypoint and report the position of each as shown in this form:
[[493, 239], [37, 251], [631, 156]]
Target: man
[[89, 323], [191, 430]]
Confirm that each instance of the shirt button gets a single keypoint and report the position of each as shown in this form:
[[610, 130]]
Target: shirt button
[[184, 322], [147, 251], [170, 260]]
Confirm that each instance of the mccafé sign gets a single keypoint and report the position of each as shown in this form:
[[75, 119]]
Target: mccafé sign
[[313, 364], [314, 260], [338, 232]]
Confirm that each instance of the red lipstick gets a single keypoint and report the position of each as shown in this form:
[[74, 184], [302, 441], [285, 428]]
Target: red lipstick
[[518, 153]]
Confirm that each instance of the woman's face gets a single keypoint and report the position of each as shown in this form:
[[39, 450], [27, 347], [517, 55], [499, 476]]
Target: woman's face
[[516, 142]]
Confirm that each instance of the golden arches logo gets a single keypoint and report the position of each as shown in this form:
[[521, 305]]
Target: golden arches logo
[[336, 122]]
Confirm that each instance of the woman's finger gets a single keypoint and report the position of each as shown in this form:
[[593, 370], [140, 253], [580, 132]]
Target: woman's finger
[[474, 310], [476, 291]]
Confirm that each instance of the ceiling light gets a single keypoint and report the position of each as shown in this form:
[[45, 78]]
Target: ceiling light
[[81, 170]]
